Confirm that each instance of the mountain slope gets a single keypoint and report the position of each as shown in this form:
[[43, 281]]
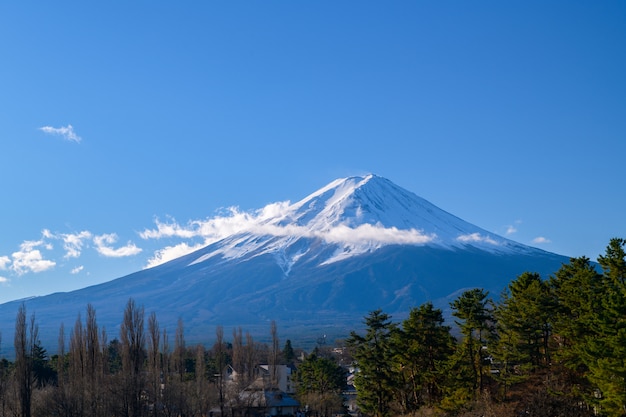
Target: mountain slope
[[316, 267]]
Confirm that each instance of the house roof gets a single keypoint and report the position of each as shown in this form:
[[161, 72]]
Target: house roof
[[280, 399]]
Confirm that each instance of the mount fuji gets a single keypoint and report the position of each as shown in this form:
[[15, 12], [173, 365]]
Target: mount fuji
[[316, 267]]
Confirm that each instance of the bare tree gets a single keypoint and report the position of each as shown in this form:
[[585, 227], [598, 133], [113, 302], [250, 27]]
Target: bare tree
[[25, 339], [179, 350], [273, 359], [3, 381], [154, 360], [251, 358], [220, 364], [133, 353], [93, 363], [202, 386]]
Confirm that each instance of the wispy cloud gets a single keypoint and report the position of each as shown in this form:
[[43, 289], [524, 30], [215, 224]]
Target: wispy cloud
[[512, 228], [104, 246], [169, 253], [476, 237], [267, 221], [4, 263], [4, 280], [30, 259], [541, 239], [73, 243], [235, 221], [76, 270], [66, 132], [36, 256]]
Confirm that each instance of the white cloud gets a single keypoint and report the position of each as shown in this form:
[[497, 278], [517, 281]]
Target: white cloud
[[73, 243], [512, 228], [235, 221], [103, 246], [4, 262], [476, 237], [374, 234], [4, 280], [67, 132], [267, 221], [541, 239], [30, 259], [76, 270], [212, 230], [172, 252], [171, 229]]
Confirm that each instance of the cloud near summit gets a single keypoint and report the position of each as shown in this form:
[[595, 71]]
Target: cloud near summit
[[274, 220]]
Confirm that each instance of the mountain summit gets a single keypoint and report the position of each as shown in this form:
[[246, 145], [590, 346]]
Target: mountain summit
[[350, 217], [317, 266]]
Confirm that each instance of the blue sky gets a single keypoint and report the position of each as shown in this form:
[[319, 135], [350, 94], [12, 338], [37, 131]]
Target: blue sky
[[117, 118]]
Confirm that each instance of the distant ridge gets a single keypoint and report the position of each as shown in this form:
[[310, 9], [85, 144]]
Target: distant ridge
[[317, 266]]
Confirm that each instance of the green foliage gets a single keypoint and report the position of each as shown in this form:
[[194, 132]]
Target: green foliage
[[43, 371], [608, 371], [422, 346], [591, 326], [320, 375], [319, 384], [374, 380], [288, 354], [524, 323], [477, 324]]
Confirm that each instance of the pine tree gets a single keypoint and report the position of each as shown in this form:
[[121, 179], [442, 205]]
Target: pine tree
[[525, 321], [288, 353], [374, 380], [477, 324], [422, 347], [608, 371], [319, 384], [579, 290]]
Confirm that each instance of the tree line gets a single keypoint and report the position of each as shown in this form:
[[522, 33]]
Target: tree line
[[547, 347], [139, 373]]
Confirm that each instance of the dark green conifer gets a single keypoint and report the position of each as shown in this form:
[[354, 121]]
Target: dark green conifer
[[374, 380]]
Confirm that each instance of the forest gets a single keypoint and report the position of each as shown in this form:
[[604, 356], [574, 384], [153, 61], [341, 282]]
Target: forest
[[546, 346]]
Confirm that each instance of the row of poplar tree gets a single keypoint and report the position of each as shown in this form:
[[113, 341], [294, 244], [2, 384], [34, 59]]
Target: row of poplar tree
[[138, 374], [547, 347]]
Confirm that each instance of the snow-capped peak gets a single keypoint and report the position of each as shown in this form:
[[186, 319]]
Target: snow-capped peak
[[353, 215]]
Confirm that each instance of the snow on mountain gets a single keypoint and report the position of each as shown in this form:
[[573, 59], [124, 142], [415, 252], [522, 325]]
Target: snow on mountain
[[355, 215]]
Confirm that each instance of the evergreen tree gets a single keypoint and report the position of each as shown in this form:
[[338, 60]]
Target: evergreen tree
[[608, 371], [374, 380], [578, 288], [422, 347], [288, 353], [524, 317], [319, 384], [477, 324]]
